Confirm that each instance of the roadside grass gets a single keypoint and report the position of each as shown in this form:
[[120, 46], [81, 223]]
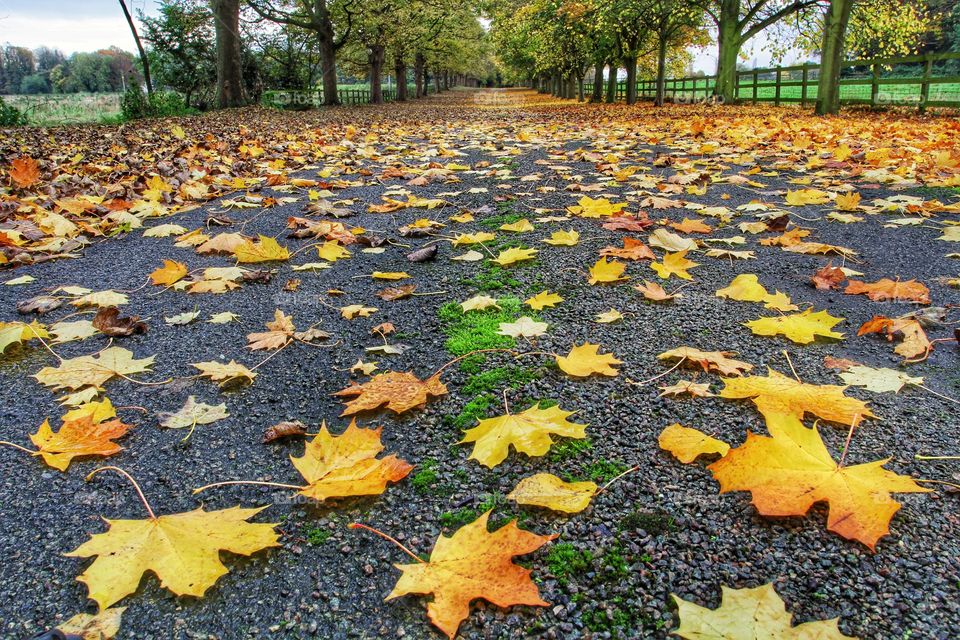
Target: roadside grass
[[47, 110]]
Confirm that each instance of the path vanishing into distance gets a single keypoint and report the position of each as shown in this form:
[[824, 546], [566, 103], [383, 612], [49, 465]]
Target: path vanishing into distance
[[183, 299]]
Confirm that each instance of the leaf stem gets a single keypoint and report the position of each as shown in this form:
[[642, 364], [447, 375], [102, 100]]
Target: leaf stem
[[357, 525], [790, 362], [16, 446], [920, 457], [944, 482], [265, 360], [846, 445], [126, 475], [617, 477], [657, 377], [466, 355], [256, 482], [937, 393]]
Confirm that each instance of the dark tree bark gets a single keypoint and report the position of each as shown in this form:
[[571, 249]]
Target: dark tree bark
[[143, 54], [831, 56], [400, 69], [375, 57], [597, 94], [612, 83], [419, 73], [630, 62], [436, 81], [230, 89], [661, 73]]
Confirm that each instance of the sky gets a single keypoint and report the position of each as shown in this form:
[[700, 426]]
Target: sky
[[69, 25], [88, 25]]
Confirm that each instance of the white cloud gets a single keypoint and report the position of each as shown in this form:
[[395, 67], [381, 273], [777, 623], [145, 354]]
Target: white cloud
[[69, 33]]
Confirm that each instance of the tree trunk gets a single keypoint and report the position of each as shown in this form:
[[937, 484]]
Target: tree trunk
[[597, 94], [831, 56], [419, 71], [230, 89], [436, 81], [375, 57], [631, 63], [661, 73], [580, 96], [729, 40], [612, 83], [143, 54], [328, 71], [400, 69]]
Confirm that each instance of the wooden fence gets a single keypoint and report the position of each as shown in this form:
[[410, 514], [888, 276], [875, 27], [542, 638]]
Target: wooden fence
[[304, 99], [931, 80]]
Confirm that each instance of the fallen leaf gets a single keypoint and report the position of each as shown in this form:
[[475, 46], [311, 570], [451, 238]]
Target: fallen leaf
[[585, 360], [524, 327], [686, 444], [607, 271], [549, 491], [80, 435], [182, 549], [749, 614], [542, 300], [528, 432], [347, 465], [674, 264], [397, 392], [193, 413], [802, 328], [93, 371], [718, 361], [790, 470], [472, 564]]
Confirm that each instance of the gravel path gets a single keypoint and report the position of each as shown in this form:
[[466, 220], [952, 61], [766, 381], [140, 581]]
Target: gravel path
[[661, 530]]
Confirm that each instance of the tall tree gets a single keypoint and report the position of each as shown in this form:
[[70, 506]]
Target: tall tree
[[143, 54], [737, 21], [831, 55], [230, 88], [331, 21]]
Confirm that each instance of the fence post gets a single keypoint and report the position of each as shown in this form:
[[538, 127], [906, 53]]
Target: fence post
[[803, 87], [925, 86], [875, 85], [756, 81], [776, 98]]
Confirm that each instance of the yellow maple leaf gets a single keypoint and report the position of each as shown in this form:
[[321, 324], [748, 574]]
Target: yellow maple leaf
[[528, 432], [266, 249], [93, 371], [101, 626], [171, 272], [674, 264], [802, 197], [587, 207], [389, 275], [514, 255], [749, 614], [82, 435], [688, 444], [607, 271], [542, 300], [547, 490], [225, 373], [331, 251], [520, 226], [790, 470], [585, 360], [802, 328], [20, 332], [352, 311], [564, 238], [473, 238], [182, 549], [347, 465], [783, 394]]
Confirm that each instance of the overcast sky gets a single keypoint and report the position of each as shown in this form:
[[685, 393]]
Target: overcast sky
[[88, 25]]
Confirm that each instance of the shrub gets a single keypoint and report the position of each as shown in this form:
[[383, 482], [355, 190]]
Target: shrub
[[11, 116], [136, 104], [34, 84]]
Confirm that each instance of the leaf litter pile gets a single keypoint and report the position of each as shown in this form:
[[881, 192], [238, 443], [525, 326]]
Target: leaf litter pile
[[537, 369]]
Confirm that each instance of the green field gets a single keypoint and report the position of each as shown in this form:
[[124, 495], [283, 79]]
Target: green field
[[68, 108]]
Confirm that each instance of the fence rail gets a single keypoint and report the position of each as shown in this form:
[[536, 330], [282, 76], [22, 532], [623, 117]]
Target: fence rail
[[305, 99], [931, 80]]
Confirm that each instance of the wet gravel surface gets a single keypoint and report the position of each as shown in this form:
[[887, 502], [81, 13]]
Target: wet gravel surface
[[661, 530]]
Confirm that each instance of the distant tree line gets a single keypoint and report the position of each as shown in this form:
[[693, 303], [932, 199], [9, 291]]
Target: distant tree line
[[46, 70]]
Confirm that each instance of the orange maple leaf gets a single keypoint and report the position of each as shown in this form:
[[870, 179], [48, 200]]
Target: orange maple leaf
[[24, 171], [473, 563], [395, 391], [790, 470], [887, 290], [80, 437]]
